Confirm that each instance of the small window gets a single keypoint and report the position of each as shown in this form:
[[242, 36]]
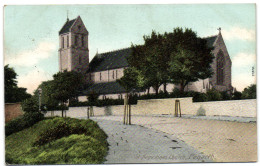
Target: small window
[[119, 96], [79, 27], [100, 76], [82, 40], [68, 38], [62, 42], [76, 40]]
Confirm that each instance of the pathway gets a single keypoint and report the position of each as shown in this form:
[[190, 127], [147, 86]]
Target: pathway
[[137, 144]]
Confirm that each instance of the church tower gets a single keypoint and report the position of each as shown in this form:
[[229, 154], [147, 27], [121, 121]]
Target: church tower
[[73, 50]]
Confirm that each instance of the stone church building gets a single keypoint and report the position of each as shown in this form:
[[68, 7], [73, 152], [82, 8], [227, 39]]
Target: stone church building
[[105, 68]]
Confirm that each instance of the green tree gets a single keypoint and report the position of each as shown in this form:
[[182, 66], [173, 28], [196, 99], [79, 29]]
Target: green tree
[[237, 95], [13, 93], [249, 92], [47, 99], [66, 86], [190, 57], [131, 79], [151, 61]]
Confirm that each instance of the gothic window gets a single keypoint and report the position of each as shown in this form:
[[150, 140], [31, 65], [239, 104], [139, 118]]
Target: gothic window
[[82, 40], [220, 68], [100, 76], [76, 40]]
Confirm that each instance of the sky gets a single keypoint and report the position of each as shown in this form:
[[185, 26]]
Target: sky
[[31, 33]]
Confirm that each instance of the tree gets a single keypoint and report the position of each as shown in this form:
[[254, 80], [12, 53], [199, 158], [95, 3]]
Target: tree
[[66, 86], [249, 92], [151, 61], [12, 92], [237, 95], [190, 57], [47, 99]]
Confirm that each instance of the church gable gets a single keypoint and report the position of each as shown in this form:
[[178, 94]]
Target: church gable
[[78, 26]]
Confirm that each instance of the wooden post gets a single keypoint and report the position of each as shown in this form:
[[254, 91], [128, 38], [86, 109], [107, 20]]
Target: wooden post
[[124, 109], [129, 114], [177, 108], [88, 112], [180, 107], [127, 109], [91, 111]]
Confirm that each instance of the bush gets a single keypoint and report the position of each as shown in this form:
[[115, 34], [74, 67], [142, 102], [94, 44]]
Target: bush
[[249, 92], [199, 97], [87, 148], [213, 95], [237, 96], [30, 105], [74, 149], [225, 95], [23, 122], [66, 127]]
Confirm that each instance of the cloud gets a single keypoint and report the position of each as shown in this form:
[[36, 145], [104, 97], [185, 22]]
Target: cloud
[[33, 79], [244, 59], [31, 57], [243, 80], [239, 33]]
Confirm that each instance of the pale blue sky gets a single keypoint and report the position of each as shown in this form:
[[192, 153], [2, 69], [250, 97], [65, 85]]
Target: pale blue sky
[[31, 33]]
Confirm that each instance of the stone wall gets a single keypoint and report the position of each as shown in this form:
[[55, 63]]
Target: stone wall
[[242, 108], [12, 111]]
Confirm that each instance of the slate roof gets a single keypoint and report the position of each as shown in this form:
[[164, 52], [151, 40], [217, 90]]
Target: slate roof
[[105, 88], [67, 26], [110, 60], [211, 40]]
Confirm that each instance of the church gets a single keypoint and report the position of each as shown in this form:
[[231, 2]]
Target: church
[[105, 68]]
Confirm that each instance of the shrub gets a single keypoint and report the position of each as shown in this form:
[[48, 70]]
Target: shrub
[[23, 122], [225, 95], [30, 105], [87, 148], [213, 95], [199, 97], [66, 127], [74, 149], [237, 96], [249, 92]]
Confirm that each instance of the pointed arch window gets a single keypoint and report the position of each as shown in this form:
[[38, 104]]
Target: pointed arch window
[[220, 68]]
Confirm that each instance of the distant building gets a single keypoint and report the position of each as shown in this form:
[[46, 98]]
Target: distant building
[[105, 68]]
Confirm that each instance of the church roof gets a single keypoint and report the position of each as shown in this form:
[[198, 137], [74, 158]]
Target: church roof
[[67, 26], [110, 60], [211, 40], [105, 88], [118, 58]]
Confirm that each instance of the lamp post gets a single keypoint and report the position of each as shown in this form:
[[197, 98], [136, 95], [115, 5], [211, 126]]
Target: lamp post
[[40, 93]]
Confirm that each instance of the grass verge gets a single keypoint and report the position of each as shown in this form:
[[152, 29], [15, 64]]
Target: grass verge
[[49, 142]]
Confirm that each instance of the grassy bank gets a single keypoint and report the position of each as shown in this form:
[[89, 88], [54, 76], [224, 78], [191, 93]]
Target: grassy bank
[[58, 141]]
